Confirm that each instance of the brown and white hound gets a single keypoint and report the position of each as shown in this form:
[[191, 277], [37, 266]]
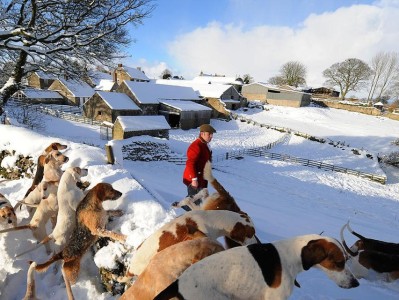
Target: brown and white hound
[[7, 212], [167, 265], [40, 164], [261, 271], [91, 219], [212, 223], [220, 200]]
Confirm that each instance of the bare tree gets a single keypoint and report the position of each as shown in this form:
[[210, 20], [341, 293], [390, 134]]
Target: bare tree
[[292, 73], [349, 75], [277, 80], [50, 35], [385, 67]]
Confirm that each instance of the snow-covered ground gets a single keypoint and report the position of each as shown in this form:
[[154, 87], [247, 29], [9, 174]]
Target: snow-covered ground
[[283, 199]]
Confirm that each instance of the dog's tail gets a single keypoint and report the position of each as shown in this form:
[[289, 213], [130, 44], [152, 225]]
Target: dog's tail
[[171, 292], [22, 227], [355, 233], [30, 282], [67, 284], [44, 241], [347, 249], [212, 180], [44, 266]]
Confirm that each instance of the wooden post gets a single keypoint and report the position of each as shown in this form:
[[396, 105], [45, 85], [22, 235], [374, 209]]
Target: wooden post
[[110, 154]]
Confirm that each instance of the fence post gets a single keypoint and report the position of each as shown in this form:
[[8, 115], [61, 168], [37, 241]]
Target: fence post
[[110, 154]]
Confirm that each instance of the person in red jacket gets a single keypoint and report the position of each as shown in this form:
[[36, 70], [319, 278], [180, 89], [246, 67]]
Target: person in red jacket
[[198, 153]]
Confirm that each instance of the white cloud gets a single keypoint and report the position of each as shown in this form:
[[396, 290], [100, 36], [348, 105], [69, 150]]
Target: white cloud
[[359, 31]]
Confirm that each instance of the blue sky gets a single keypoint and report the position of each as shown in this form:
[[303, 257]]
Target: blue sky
[[234, 37]]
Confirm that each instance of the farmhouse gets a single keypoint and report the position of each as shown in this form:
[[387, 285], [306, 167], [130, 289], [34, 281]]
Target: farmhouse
[[185, 114], [129, 126], [123, 73], [275, 95], [40, 80], [39, 96], [107, 106], [221, 97], [147, 94], [76, 92]]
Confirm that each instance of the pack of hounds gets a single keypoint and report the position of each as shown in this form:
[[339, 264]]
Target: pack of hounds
[[183, 259]]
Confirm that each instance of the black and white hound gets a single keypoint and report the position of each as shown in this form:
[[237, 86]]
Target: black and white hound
[[261, 271]]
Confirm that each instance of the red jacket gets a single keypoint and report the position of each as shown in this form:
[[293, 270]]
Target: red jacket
[[198, 154]]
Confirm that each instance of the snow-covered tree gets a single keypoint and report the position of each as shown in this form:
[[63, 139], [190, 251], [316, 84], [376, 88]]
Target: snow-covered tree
[[50, 35]]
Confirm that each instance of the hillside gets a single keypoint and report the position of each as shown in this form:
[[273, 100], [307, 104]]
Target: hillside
[[283, 199]]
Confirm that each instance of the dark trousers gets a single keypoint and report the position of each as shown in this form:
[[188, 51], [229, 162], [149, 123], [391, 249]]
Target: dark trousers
[[191, 191]]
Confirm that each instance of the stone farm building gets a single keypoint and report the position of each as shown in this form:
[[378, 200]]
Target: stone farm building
[[220, 97], [275, 95], [122, 73], [39, 96], [77, 92], [107, 106], [129, 126], [40, 80]]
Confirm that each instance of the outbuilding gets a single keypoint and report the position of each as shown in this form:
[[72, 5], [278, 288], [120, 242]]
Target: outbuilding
[[107, 106], [129, 126], [185, 114], [275, 95]]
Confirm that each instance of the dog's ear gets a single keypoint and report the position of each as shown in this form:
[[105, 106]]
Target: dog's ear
[[312, 254], [76, 173]]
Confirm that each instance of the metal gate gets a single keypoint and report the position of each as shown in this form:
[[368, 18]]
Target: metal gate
[[105, 133]]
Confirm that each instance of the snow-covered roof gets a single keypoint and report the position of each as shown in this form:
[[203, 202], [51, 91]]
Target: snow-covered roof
[[97, 77], [40, 94], [149, 92], [216, 79], [379, 104], [135, 73], [118, 101], [104, 85], [214, 90], [140, 123], [78, 88], [275, 87], [43, 75], [185, 105]]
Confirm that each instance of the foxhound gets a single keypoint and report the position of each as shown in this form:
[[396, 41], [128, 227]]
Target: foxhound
[[91, 219], [40, 164], [167, 265], [220, 200], [69, 196], [261, 271], [7, 212], [372, 259], [212, 223]]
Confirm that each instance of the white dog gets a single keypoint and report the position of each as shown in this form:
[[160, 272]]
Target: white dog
[[69, 196]]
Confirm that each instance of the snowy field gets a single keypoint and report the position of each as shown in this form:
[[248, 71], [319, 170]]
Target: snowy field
[[283, 199]]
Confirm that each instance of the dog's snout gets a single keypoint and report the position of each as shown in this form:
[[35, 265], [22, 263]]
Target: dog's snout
[[117, 194], [354, 283], [66, 158], [9, 221]]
